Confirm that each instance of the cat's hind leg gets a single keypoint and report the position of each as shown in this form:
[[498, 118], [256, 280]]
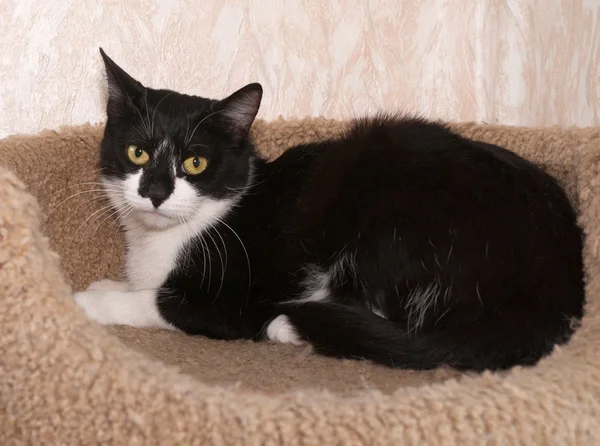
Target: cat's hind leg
[[281, 330]]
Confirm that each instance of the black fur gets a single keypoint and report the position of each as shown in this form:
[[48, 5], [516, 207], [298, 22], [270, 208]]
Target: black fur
[[472, 254]]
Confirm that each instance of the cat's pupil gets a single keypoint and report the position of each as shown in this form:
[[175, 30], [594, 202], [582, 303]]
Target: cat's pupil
[[196, 162], [138, 152]]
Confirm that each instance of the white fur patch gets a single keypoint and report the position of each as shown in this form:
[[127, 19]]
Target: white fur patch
[[316, 286], [379, 313], [419, 301], [373, 309], [344, 266], [376, 304], [165, 146], [281, 330], [318, 282], [134, 308]]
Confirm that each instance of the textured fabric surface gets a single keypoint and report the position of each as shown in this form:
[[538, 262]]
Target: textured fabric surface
[[523, 62], [66, 380]]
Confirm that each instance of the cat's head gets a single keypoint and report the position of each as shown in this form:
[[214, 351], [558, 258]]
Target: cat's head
[[168, 158]]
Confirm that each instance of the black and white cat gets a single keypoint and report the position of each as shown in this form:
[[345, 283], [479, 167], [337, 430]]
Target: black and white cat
[[399, 242]]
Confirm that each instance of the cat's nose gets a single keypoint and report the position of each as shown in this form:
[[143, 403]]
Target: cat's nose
[[158, 193]]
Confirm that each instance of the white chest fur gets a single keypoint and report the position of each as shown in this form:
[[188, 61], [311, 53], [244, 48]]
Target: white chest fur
[[152, 255]]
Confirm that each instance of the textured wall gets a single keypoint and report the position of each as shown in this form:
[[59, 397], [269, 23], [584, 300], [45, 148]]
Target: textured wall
[[530, 62]]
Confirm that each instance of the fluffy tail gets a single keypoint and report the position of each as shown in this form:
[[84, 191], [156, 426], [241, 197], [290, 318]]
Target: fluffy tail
[[353, 332]]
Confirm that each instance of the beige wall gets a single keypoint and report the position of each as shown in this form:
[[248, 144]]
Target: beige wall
[[529, 62]]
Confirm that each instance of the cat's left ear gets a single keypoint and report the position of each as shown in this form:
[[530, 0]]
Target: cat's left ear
[[236, 112], [122, 88]]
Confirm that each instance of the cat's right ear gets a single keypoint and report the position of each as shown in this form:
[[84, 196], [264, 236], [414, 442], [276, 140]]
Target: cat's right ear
[[122, 88]]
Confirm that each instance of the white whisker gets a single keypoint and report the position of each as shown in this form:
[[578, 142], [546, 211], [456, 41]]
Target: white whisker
[[226, 259], [247, 257], [222, 263], [139, 132], [187, 126], [203, 246], [69, 198], [102, 210], [115, 188], [148, 113], [198, 125], [86, 204], [126, 211], [117, 211], [156, 108], [198, 145], [147, 130]]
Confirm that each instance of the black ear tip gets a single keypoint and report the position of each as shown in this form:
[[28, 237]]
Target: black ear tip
[[256, 86], [107, 60]]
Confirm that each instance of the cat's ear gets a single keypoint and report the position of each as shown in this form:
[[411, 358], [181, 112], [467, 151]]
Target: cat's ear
[[236, 112], [122, 88]]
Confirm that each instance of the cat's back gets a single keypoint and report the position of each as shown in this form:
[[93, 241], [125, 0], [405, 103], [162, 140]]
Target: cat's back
[[419, 143], [420, 157], [407, 131], [401, 172]]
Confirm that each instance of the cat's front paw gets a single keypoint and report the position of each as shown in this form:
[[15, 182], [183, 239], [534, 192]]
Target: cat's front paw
[[133, 308], [108, 285], [98, 305]]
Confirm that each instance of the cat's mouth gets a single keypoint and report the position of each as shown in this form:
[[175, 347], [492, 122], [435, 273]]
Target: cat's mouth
[[154, 212], [156, 218]]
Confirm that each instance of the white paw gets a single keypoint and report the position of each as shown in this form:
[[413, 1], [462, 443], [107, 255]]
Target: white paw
[[108, 285], [134, 308], [97, 305], [281, 330]]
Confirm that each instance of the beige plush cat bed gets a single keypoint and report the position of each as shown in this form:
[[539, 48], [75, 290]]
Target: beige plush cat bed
[[66, 380]]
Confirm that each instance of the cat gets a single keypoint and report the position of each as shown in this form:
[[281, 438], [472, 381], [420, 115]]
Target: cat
[[399, 242]]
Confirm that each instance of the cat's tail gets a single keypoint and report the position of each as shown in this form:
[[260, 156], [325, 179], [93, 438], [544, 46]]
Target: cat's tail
[[355, 333]]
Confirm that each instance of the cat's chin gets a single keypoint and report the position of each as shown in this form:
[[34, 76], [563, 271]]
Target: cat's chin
[[156, 220]]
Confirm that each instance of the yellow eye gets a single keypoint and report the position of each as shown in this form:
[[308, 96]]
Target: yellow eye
[[137, 156], [195, 165]]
